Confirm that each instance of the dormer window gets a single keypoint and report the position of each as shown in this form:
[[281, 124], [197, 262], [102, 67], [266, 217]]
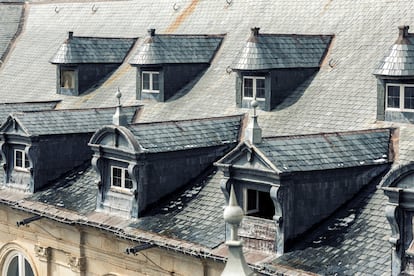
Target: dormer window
[[150, 82], [167, 63], [254, 88], [400, 97], [267, 58], [81, 62], [21, 161], [120, 178]]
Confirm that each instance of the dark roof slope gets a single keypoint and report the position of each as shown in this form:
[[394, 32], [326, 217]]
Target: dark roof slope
[[328, 150], [161, 49], [187, 134], [68, 120], [92, 50], [10, 16], [352, 242], [274, 51], [7, 108], [194, 215]]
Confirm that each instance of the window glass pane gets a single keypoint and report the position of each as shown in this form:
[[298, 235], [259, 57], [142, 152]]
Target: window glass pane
[[260, 88], [248, 88], [128, 181], [409, 97], [13, 269], [26, 161], [116, 177], [145, 81], [155, 83], [18, 162], [251, 200], [27, 269], [67, 79], [393, 96]]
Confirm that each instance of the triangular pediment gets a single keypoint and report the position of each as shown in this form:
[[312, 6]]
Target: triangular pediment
[[247, 156], [13, 126]]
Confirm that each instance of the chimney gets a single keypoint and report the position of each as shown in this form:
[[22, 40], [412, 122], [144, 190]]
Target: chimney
[[402, 35], [70, 34], [253, 35], [253, 132], [119, 119], [151, 32]]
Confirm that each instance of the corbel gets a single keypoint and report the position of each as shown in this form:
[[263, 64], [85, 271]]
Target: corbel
[[391, 212], [225, 186], [76, 264], [277, 195], [42, 253]]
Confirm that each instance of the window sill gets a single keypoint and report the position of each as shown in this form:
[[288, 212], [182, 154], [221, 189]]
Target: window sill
[[122, 190], [257, 99], [399, 110], [18, 169], [151, 91]]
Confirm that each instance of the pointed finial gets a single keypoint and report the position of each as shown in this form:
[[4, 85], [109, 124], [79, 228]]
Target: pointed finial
[[118, 95], [233, 214], [119, 119], [253, 132]]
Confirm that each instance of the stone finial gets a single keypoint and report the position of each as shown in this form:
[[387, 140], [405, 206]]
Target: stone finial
[[253, 131], [236, 263], [119, 119]]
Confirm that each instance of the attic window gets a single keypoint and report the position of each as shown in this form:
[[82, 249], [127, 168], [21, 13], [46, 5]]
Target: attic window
[[21, 160], [67, 79], [258, 204], [254, 88], [120, 178], [150, 82], [400, 97]]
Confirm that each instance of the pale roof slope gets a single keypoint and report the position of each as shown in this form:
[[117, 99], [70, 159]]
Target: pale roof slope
[[10, 15]]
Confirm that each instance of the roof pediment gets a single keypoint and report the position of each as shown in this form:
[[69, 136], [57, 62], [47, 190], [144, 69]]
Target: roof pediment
[[116, 137], [14, 126]]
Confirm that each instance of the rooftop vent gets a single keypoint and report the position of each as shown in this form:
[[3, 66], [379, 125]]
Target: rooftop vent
[[403, 34]]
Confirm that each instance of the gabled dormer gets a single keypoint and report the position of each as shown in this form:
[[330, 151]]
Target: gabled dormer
[[139, 164], [288, 184], [395, 80], [270, 66], [40, 146], [82, 62], [166, 63]]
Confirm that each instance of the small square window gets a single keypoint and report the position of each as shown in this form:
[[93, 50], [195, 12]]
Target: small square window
[[21, 161], [150, 82], [400, 96], [67, 79], [251, 201], [409, 97], [254, 88], [120, 178], [393, 97]]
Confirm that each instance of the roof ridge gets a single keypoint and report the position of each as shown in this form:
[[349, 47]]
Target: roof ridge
[[187, 120], [76, 109]]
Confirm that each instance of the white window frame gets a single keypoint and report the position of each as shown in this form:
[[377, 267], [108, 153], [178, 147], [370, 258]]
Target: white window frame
[[246, 204], [123, 173], [151, 82], [24, 156], [21, 263], [402, 97], [254, 78]]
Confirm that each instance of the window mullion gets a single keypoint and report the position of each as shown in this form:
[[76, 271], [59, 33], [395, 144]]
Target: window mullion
[[254, 88], [150, 82]]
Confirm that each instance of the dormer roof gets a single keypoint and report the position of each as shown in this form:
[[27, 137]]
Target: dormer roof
[[157, 137], [399, 61], [175, 49], [52, 122], [76, 50], [320, 151], [276, 51]]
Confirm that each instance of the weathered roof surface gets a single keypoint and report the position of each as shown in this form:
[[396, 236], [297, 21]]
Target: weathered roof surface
[[77, 49], [75, 191], [162, 49], [353, 241], [10, 16], [328, 150], [188, 134], [399, 61], [7, 108], [276, 51], [194, 215], [61, 121]]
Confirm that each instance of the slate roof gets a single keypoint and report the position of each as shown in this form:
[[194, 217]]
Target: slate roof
[[10, 16], [50, 122], [75, 191], [281, 51], [188, 134], [163, 49], [328, 151], [399, 61], [77, 49], [353, 241], [194, 215], [7, 108]]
